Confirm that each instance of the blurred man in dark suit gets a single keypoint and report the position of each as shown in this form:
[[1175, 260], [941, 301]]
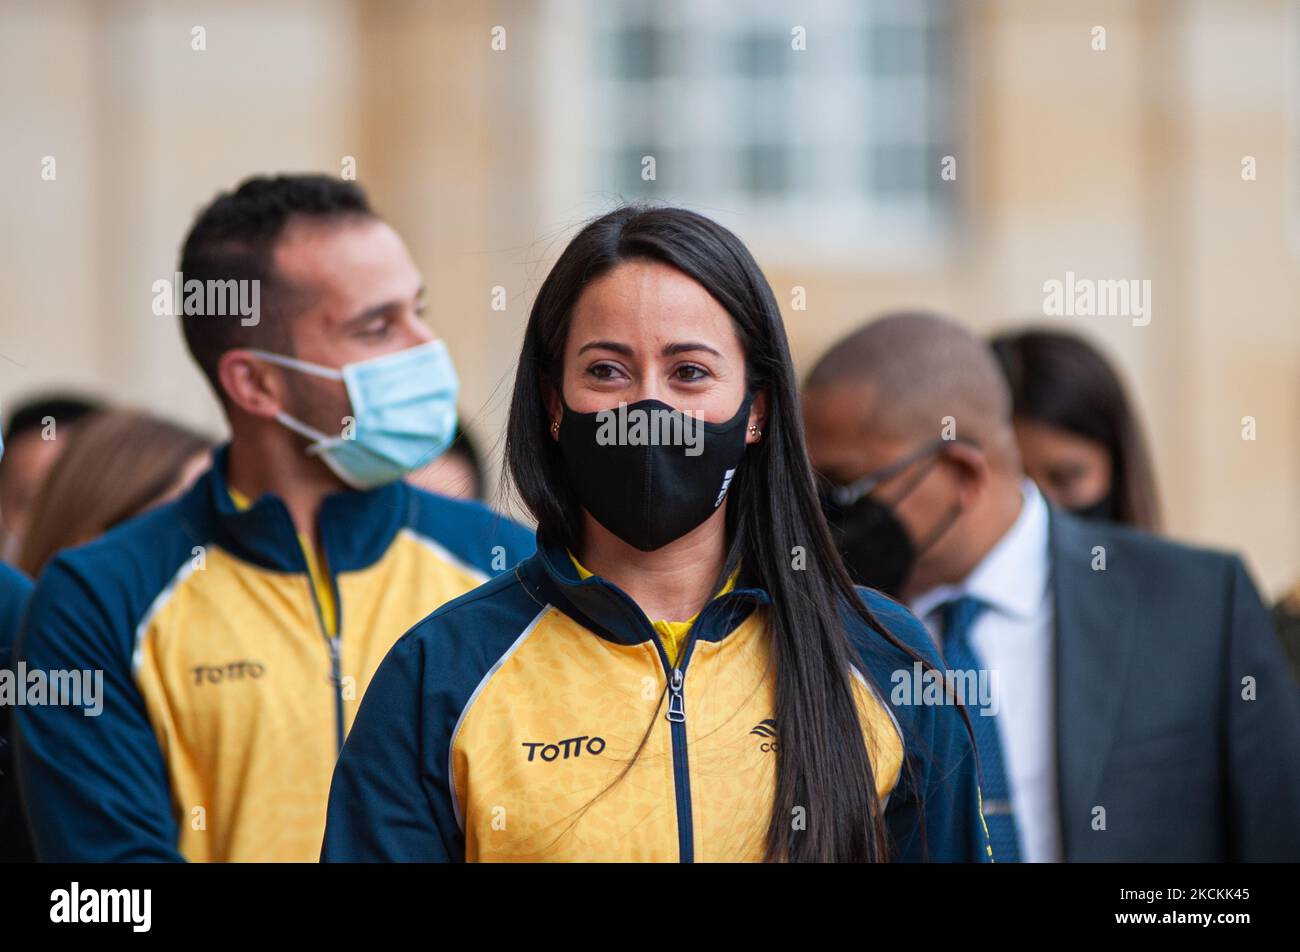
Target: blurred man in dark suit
[[1142, 708]]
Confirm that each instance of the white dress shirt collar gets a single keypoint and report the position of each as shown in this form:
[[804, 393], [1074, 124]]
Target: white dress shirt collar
[[1013, 576]]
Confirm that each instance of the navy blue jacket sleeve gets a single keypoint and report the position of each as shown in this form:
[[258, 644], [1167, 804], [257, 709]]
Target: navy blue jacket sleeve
[[1263, 733], [15, 844], [93, 781], [388, 802], [933, 813]]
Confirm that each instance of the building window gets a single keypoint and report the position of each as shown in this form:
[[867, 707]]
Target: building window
[[841, 142]]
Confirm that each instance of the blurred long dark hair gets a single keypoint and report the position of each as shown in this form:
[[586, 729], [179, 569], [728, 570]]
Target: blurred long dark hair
[[772, 508], [117, 464], [1060, 380]]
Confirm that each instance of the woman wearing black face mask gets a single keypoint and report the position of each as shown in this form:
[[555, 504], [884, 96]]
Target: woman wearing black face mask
[[684, 671], [1079, 437]]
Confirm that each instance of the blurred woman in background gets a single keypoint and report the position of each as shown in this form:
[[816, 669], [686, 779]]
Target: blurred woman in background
[[1079, 437], [122, 463], [37, 431], [1081, 443]]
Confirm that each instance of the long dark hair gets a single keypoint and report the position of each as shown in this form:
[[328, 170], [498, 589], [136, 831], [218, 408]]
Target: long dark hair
[[1061, 380], [773, 507], [117, 464]]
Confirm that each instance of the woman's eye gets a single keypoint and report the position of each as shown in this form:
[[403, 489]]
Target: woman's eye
[[603, 371], [691, 372], [1062, 480]]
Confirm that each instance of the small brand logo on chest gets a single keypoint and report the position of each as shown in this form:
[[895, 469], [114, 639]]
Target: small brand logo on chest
[[204, 674], [566, 749], [767, 730]]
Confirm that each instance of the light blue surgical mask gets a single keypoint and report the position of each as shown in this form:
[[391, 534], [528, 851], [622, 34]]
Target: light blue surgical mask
[[403, 407]]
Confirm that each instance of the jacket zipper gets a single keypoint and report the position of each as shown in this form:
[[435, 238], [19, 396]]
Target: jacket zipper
[[334, 645], [336, 675], [676, 717]]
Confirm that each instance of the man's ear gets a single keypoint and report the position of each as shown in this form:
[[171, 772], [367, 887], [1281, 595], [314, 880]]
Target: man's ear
[[250, 384], [757, 417], [973, 471]]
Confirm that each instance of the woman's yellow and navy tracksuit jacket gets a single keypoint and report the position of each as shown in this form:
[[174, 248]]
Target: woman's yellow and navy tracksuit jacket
[[230, 679], [502, 728]]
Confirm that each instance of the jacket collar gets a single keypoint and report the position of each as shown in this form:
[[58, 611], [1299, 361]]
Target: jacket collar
[[356, 528], [606, 609]]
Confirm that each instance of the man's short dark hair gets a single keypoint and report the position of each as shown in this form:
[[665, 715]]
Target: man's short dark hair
[[61, 407], [924, 368], [234, 238]]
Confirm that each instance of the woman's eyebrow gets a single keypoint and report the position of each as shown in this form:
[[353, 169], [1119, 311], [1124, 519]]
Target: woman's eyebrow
[[606, 345], [673, 349], [669, 350]]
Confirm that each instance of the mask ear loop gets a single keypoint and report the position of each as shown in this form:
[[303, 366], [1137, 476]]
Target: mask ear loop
[[303, 430], [293, 363], [316, 370], [913, 483], [938, 532], [954, 511], [945, 524]]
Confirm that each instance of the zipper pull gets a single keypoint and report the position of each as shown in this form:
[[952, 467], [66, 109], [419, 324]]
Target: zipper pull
[[334, 662], [676, 706]]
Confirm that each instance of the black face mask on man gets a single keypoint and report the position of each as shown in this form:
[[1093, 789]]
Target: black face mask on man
[[649, 473], [875, 545]]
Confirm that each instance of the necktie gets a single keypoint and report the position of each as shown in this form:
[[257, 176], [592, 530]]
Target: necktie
[[959, 654]]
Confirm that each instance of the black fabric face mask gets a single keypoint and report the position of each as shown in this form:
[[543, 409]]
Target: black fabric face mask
[[875, 547], [651, 487], [873, 542]]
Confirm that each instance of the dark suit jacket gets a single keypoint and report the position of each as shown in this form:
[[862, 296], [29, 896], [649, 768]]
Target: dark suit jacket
[[1151, 723]]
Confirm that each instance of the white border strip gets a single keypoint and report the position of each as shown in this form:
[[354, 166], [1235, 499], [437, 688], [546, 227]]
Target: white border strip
[[451, 748], [157, 605], [443, 554]]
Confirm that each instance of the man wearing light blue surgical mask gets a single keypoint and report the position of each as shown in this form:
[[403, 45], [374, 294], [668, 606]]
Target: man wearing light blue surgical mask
[[238, 628], [403, 413]]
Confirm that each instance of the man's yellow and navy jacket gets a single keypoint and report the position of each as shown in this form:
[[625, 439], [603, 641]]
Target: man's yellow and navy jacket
[[227, 695], [509, 725]]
